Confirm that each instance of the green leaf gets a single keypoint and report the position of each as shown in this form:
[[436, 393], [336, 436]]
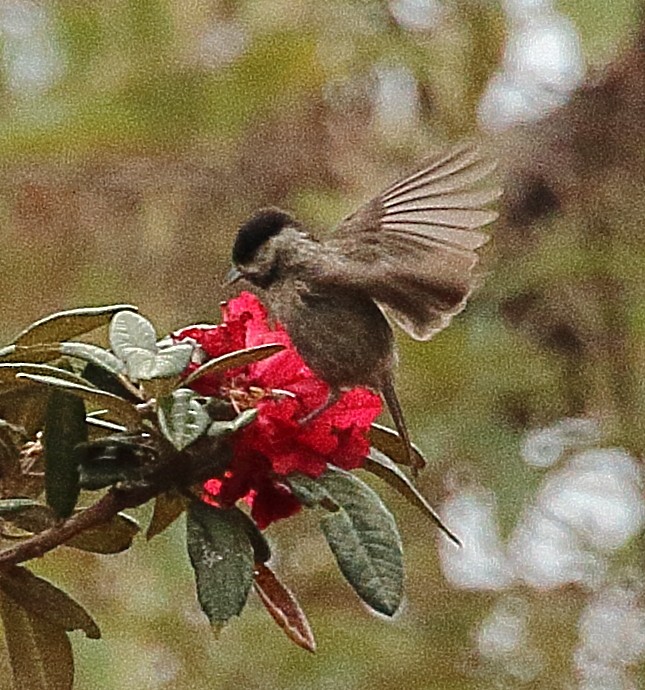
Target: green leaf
[[94, 476], [391, 444], [220, 429], [117, 384], [232, 360], [310, 492], [94, 354], [119, 407], [283, 607], [365, 541], [130, 332], [168, 507], [9, 506], [222, 556], [259, 543], [42, 599], [64, 430], [69, 324], [114, 536], [40, 653], [182, 418], [383, 467]]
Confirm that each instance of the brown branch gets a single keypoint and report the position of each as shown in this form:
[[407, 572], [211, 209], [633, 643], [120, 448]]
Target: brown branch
[[100, 512]]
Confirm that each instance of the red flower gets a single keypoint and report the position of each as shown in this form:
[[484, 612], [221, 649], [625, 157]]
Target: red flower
[[284, 390]]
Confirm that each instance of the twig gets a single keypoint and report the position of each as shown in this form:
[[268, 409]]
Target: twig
[[100, 512]]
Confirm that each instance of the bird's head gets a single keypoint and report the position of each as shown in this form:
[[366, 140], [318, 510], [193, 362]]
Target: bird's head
[[260, 245]]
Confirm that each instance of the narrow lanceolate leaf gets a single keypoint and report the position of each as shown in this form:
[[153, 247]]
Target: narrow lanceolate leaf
[[182, 418], [69, 324], [283, 607], [94, 355], [64, 430], [118, 407], [130, 332], [9, 371], [383, 467], [30, 353], [168, 507], [7, 351], [365, 541], [40, 653], [114, 536], [42, 599], [390, 443], [99, 423], [232, 360], [12, 506], [222, 556]]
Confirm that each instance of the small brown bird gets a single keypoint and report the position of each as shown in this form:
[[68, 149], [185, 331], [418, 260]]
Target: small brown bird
[[407, 256]]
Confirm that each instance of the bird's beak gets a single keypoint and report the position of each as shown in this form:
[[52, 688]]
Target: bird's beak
[[233, 275]]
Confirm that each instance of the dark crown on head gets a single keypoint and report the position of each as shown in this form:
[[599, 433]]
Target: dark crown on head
[[252, 234]]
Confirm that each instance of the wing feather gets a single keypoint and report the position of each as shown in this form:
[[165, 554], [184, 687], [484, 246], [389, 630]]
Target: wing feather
[[412, 248]]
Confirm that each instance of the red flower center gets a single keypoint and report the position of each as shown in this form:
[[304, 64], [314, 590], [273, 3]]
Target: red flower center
[[284, 390]]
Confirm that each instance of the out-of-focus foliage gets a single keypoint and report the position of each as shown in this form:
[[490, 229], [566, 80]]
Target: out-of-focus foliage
[[136, 135]]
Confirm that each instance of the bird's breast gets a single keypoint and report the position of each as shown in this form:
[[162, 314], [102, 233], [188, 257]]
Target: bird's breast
[[342, 336]]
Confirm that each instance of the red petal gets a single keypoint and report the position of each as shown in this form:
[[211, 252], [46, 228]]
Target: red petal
[[273, 501]]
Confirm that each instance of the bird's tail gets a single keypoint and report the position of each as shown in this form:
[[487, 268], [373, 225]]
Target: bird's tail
[[392, 402], [389, 394]]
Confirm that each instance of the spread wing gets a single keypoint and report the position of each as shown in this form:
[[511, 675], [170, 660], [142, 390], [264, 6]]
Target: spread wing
[[412, 248]]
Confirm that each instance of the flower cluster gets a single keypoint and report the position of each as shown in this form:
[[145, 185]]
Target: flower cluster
[[283, 390]]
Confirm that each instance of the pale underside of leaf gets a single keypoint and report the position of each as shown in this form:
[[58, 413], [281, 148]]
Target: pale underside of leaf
[[283, 607], [130, 331]]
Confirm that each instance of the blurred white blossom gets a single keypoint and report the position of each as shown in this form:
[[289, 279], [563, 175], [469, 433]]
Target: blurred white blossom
[[481, 563]]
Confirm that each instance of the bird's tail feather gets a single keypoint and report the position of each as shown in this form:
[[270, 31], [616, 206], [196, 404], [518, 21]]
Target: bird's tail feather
[[392, 402]]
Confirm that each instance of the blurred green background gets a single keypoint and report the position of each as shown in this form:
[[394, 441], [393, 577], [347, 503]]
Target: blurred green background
[[135, 135]]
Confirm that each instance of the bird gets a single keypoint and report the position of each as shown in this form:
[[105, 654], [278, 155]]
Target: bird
[[405, 257]]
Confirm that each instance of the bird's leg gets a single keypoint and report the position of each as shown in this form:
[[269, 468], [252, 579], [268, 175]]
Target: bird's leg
[[334, 395]]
